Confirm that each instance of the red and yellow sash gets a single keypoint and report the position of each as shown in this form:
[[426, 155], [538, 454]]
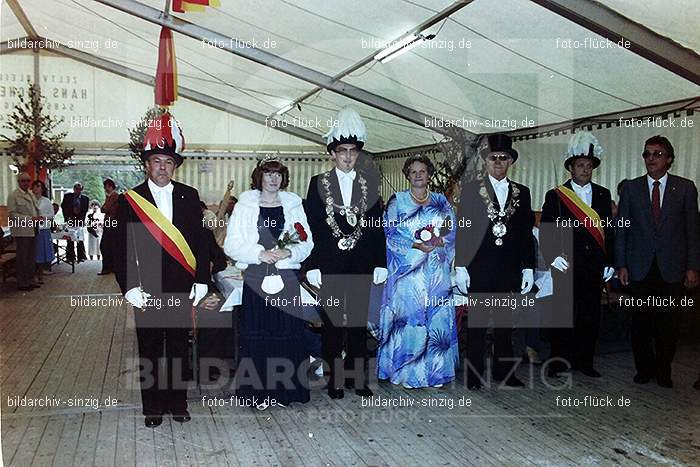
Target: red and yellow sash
[[586, 215], [163, 231]]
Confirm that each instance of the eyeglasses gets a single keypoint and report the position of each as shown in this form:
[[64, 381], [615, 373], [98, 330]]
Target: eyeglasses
[[501, 157], [351, 151], [653, 155]]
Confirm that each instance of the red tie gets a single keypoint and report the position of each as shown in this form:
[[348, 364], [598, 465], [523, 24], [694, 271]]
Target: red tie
[[656, 202]]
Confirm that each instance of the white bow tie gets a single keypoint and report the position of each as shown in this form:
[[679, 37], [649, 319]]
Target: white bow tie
[[349, 175], [167, 188]]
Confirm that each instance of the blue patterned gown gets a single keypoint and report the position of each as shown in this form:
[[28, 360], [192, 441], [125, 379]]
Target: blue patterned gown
[[417, 329]]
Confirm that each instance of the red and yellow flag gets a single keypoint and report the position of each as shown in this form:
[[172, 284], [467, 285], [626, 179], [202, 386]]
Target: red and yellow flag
[[166, 71], [586, 215], [163, 231], [182, 6]]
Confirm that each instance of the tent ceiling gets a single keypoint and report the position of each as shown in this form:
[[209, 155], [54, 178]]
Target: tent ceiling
[[516, 70]]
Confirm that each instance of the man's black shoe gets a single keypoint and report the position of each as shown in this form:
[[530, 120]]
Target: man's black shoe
[[474, 385], [364, 392], [697, 384], [514, 382], [590, 372], [182, 417], [104, 273], [153, 421], [664, 382], [336, 393], [641, 379]]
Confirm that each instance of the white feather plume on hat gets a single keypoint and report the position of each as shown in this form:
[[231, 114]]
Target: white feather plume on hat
[[347, 127], [583, 144]]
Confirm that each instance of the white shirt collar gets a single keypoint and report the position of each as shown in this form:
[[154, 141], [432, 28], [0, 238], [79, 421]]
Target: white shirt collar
[[157, 189], [663, 179], [498, 183], [587, 188], [341, 175]]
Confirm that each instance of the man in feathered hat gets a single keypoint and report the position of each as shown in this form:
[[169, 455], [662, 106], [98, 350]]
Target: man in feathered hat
[[495, 256], [576, 239], [344, 213], [163, 269]]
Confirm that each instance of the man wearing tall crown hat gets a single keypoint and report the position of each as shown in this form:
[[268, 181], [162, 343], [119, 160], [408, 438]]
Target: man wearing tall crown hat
[[162, 269], [494, 257], [576, 239], [344, 212]]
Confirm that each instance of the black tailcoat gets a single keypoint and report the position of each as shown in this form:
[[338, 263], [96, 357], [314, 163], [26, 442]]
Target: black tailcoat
[[494, 268]]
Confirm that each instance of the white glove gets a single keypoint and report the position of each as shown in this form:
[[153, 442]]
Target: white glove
[[462, 279], [560, 263], [608, 273], [198, 292], [314, 277], [380, 275], [136, 297], [528, 281]]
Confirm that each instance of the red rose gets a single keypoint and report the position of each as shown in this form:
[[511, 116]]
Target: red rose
[[300, 231]]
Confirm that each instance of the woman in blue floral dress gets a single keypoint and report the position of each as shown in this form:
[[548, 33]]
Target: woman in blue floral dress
[[417, 329]]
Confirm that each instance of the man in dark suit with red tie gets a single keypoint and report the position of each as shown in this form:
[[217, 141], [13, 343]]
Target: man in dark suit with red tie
[[657, 253], [577, 240], [162, 269]]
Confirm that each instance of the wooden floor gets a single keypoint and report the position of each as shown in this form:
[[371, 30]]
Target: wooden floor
[[50, 349]]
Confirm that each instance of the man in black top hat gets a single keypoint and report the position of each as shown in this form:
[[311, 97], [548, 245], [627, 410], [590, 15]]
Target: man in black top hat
[[495, 256]]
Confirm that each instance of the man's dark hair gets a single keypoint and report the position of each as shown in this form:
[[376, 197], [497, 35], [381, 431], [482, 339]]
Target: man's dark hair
[[665, 143], [110, 182]]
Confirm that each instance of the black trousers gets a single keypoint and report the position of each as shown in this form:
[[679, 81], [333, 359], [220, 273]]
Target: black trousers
[[655, 329], [163, 355], [345, 301], [502, 352], [25, 262], [577, 345], [70, 251], [107, 245]]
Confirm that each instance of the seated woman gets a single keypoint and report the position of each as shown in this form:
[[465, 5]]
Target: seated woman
[[268, 237], [417, 329]]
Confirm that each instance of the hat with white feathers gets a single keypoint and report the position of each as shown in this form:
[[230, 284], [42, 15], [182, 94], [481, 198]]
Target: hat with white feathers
[[583, 144], [347, 128]]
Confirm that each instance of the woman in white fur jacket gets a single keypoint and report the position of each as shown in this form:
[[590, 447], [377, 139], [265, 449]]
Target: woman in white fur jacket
[[268, 236]]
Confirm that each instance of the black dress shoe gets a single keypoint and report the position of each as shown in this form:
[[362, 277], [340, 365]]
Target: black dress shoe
[[474, 385], [336, 393], [590, 372], [153, 421], [514, 382], [104, 273], [664, 382], [641, 379], [697, 384], [182, 416], [364, 392]]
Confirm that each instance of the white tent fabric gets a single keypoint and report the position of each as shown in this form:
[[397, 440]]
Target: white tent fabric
[[516, 71]]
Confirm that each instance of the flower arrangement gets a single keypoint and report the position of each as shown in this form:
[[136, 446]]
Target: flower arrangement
[[291, 238]]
